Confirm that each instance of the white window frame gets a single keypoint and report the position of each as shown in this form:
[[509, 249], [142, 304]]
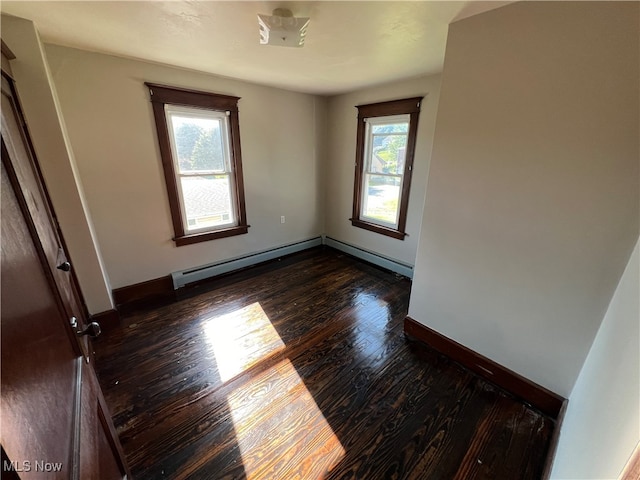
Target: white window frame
[[198, 113], [368, 157]]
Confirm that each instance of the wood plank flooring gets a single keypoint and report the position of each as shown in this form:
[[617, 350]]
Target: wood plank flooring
[[300, 370]]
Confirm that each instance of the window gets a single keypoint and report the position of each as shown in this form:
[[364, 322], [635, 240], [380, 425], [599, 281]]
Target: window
[[384, 160], [199, 138]]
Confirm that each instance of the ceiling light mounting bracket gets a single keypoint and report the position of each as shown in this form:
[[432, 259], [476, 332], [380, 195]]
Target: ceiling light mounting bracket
[[282, 29]]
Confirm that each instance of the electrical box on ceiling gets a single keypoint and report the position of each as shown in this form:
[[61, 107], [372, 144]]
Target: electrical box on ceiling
[[282, 29]]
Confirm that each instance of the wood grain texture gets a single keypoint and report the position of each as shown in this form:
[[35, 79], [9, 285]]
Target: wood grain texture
[[632, 470], [300, 369], [547, 401]]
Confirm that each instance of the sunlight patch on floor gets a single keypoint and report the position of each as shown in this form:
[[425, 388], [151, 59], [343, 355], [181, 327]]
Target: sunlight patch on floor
[[281, 432], [241, 339]]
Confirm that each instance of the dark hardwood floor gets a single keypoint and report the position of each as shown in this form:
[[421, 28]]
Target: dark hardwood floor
[[300, 370]]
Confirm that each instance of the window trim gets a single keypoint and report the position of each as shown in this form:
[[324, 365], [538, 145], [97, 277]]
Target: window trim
[[370, 124], [162, 95], [408, 106]]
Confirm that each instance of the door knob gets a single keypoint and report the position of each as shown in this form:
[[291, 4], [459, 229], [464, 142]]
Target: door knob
[[64, 266], [93, 330]]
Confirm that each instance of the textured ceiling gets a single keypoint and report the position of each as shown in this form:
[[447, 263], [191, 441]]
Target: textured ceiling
[[349, 45]]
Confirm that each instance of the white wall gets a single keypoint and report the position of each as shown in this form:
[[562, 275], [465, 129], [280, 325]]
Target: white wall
[[340, 160], [109, 117], [602, 424], [46, 126], [532, 203]]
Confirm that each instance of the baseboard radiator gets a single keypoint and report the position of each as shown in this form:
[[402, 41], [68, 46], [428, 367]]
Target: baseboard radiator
[[371, 257], [184, 277]]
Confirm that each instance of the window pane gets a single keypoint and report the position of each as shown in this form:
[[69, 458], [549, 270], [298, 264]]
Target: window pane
[[198, 143], [381, 198], [391, 127], [207, 201], [388, 153]]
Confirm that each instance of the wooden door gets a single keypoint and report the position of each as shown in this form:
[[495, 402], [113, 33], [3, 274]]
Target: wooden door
[[32, 321], [55, 423], [25, 166]]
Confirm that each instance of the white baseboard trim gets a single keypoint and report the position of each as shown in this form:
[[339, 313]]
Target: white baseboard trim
[[184, 277], [371, 257]]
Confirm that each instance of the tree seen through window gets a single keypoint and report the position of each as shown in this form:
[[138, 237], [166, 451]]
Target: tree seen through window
[[198, 144]]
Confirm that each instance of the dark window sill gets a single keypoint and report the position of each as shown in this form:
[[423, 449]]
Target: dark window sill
[[389, 232], [206, 236]]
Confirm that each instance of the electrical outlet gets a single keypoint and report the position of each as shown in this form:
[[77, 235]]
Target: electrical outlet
[[282, 219]]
